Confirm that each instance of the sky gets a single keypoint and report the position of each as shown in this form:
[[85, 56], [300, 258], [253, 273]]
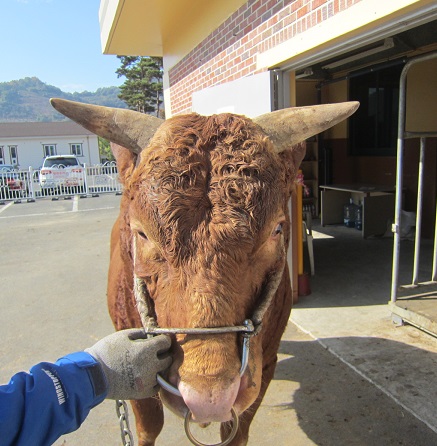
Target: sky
[[57, 41]]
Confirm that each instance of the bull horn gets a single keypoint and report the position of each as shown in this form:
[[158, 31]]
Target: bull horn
[[290, 126], [124, 127]]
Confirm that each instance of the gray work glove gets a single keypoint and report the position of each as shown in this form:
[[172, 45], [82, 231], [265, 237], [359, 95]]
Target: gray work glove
[[130, 363]]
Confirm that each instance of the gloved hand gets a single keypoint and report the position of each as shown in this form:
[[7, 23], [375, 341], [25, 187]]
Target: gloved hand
[[130, 362]]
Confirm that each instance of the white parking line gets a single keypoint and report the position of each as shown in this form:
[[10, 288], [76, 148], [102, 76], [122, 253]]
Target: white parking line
[[57, 213], [3, 208], [75, 203]]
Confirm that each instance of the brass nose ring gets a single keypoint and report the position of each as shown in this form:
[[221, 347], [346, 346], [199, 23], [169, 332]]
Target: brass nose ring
[[235, 423]]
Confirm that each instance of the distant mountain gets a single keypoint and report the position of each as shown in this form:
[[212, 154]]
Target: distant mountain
[[27, 100]]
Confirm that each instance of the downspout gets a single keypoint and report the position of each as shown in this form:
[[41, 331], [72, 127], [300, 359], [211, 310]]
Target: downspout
[[89, 150]]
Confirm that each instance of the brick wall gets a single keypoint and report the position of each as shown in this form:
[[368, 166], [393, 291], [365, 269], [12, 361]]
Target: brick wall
[[230, 51]]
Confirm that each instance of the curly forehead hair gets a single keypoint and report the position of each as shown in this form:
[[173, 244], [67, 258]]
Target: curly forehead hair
[[218, 175]]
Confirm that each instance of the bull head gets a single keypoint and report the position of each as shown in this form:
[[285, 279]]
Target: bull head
[[205, 204]]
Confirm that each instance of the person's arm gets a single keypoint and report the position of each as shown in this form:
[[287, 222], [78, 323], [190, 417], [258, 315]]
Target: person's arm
[[51, 400]]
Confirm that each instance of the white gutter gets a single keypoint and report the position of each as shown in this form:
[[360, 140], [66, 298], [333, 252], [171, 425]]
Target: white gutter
[[304, 49]]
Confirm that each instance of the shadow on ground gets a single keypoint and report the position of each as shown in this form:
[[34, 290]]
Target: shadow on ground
[[337, 406]]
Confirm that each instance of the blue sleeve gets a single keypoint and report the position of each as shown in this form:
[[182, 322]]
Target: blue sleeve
[[51, 400]]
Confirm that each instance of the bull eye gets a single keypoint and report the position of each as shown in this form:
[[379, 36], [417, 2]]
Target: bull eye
[[278, 229], [142, 235]]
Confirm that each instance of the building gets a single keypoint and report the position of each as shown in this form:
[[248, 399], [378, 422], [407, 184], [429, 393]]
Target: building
[[25, 144], [255, 56]]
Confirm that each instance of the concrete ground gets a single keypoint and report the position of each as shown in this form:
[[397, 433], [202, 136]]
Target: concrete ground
[[347, 313], [346, 374]]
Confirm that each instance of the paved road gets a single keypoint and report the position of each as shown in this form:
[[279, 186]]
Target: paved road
[[53, 268]]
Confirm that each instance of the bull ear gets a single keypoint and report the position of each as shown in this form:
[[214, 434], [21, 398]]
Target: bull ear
[[126, 128], [290, 126]]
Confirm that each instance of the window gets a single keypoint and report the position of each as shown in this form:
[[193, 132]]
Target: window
[[64, 160], [2, 157], [76, 149], [373, 127], [49, 149], [13, 152]]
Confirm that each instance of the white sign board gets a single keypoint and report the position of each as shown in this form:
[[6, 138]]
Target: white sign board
[[250, 96]]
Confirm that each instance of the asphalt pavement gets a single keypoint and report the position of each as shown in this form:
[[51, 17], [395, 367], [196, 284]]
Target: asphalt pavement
[[53, 271]]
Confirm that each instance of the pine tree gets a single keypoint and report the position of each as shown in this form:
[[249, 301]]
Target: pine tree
[[142, 89]]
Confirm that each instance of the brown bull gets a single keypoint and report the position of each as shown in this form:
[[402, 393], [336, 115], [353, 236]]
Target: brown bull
[[204, 230]]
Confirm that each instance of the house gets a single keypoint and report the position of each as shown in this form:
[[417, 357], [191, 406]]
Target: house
[[255, 56], [26, 144]]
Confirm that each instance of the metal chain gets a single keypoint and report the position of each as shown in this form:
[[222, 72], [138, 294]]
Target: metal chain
[[123, 417]]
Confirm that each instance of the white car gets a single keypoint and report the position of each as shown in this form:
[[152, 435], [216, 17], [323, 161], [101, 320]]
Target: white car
[[63, 173]]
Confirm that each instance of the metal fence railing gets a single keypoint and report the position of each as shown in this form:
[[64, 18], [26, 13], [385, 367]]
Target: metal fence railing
[[16, 185], [402, 136], [413, 302]]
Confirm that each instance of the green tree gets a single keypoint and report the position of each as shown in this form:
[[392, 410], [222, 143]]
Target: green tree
[[142, 89], [105, 149]]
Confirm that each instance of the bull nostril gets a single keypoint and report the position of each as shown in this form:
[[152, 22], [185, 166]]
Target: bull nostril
[[210, 402]]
